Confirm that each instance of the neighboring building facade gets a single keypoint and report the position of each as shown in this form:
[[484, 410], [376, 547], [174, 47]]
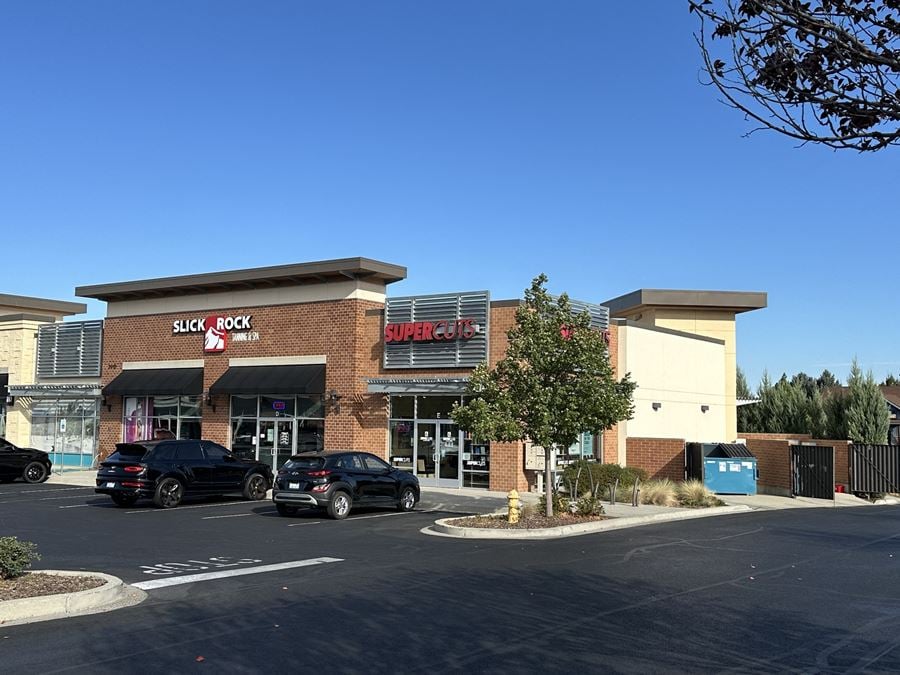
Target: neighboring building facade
[[270, 361], [22, 318]]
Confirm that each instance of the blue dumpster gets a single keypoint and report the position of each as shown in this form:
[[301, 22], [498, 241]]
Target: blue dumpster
[[729, 468]]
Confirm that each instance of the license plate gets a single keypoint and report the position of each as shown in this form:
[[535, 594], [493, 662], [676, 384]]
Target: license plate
[[293, 486], [110, 485]]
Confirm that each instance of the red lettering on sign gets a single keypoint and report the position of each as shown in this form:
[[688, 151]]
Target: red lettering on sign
[[430, 331]]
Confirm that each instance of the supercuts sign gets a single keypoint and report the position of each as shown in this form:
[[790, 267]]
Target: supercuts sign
[[430, 331], [449, 330], [215, 329]]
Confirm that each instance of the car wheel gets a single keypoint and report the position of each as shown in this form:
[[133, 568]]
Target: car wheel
[[407, 501], [35, 472], [124, 500], [340, 505], [285, 510], [168, 493], [255, 487]]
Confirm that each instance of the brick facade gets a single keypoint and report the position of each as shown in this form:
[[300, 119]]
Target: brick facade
[[659, 457]]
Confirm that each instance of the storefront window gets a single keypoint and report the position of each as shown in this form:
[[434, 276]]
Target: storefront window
[[67, 429], [403, 407], [476, 464], [145, 416], [252, 430], [435, 407], [402, 444]]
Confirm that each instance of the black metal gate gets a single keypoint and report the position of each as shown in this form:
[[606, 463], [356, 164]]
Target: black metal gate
[[875, 469], [812, 471]]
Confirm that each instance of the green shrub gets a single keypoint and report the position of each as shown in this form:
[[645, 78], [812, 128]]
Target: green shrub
[[694, 493], [659, 492], [15, 557], [582, 477], [589, 505], [560, 504]]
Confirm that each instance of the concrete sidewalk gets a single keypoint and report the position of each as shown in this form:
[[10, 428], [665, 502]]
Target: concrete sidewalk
[[775, 502], [80, 478]]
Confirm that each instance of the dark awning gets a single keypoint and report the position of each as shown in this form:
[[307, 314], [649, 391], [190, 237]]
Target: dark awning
[[157, 382], [733, 450], [271, 380]]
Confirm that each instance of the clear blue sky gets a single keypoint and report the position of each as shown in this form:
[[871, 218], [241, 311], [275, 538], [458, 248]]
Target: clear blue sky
[[478, 143]]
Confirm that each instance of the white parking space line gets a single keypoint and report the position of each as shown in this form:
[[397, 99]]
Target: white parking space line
[[28, 492], [230, 515], [315, 522], [382, 515], [81, 506], [196, 506], [42, 499], [208, 576]]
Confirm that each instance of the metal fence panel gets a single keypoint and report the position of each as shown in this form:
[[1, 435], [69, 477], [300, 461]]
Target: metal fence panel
[[875, 468], [812, 471]]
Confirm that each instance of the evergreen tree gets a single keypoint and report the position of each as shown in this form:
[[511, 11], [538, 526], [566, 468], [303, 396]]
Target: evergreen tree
[[868, 418], [890, 381], [827, 380], [747, 415]]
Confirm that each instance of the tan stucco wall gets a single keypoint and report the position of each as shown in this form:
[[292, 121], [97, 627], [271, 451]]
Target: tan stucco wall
[[714, 323], [18, 348], [681, 373]]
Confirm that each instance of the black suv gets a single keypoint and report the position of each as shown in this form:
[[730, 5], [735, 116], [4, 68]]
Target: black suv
[[168, 470], [32, 466], [338, 481]]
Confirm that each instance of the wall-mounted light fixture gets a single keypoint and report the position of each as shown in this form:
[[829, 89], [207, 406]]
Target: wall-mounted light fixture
[[106, 404], [208, 399], [704, 408], [657, 405], [334, 400], [10, 400]]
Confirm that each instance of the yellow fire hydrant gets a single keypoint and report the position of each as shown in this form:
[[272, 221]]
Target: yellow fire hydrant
[[513, 501]]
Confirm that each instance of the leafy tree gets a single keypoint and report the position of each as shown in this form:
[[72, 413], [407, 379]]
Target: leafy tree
[[868, 419], [821, 71], [554, 382]]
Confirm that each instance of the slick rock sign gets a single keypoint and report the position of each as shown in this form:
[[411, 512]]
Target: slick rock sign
[[215, 330]]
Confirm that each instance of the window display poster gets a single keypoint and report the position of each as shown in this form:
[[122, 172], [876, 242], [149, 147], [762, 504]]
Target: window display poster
[[135, 419]]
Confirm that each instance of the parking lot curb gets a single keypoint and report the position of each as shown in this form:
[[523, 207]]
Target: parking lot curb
[[444, 528], [113, 594]]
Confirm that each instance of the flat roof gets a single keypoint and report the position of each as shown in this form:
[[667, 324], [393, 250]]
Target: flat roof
[[57, 307], [296, 274], [735, 301]]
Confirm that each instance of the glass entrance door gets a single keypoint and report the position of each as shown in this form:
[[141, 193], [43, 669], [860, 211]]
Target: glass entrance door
[[437, 453], [276, 441]]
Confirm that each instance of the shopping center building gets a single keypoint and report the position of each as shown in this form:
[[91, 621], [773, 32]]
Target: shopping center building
[[318, 355]]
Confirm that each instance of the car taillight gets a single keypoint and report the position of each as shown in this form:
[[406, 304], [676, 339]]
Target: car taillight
[[129, 484], [320, 488], [323, 472], [133, 469]]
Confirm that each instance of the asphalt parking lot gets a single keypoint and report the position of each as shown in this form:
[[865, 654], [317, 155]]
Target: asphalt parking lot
[[805, 590]]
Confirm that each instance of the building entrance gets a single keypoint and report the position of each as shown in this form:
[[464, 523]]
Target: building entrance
[[437, 455]]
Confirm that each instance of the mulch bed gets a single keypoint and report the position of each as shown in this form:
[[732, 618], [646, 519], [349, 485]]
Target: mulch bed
[[35, 583], [527, 522]]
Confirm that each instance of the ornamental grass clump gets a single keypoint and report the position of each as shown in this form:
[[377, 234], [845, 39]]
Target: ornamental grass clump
[[15, 557], [695, 494], [659, 492]]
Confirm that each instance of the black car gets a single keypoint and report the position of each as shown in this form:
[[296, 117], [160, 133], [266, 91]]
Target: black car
[[338, 481], [167, 471], [32, 466]]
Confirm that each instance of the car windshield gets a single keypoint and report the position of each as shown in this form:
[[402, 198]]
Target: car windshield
[[305, 463]]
